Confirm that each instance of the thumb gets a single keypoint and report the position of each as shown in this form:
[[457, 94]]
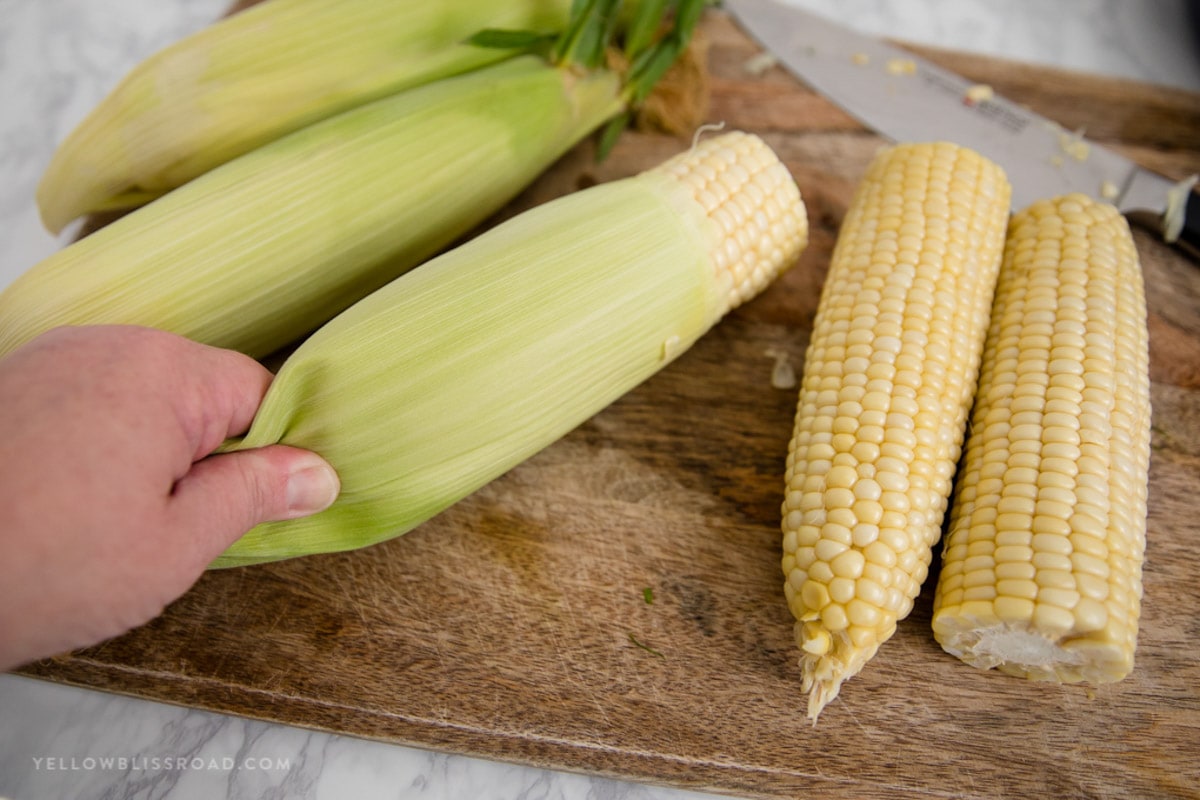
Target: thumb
[[225, 495]]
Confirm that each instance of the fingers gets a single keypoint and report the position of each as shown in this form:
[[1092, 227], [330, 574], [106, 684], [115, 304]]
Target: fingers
[[146, 383], [110, 504], [223, 496], [221, 393]]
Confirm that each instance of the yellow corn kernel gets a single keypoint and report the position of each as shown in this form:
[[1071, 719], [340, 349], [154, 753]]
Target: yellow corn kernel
[[903, 312], [457, 371], [1071, 273]]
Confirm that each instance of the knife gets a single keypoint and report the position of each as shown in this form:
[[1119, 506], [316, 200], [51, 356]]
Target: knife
[[907, 98]]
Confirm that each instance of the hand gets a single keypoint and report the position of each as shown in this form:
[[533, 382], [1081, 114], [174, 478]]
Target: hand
[[111, 505]]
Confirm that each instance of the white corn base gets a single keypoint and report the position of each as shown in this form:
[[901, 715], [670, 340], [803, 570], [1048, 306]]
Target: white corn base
[[1020, 649]]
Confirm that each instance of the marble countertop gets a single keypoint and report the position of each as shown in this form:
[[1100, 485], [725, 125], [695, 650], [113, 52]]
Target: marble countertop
[[57, 58]]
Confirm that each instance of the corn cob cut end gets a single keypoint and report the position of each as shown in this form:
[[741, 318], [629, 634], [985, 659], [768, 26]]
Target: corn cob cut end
[[986, 641], [1041, 574], [759, 225]]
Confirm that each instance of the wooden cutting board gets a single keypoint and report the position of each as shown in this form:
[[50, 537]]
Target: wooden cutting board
[[614, 605]]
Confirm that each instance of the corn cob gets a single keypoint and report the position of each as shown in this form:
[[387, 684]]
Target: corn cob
[[256, 76], [1041, 570], [457, 371], [262, 250], [887, 383], [259, 252]]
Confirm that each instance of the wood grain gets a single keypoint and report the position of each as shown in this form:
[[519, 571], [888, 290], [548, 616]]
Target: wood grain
[[514, 626]]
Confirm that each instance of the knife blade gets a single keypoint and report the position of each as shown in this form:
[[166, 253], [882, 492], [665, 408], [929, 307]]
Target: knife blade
[[906, 98]]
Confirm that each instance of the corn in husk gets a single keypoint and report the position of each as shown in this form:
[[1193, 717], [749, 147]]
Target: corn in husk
[[256, 76], [457, 371], [256, 253]]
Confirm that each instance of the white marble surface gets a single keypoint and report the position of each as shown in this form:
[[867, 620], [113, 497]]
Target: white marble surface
[[61, 742], [57, 58]]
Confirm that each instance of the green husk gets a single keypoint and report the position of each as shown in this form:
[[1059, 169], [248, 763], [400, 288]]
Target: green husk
[[457, 371], [258, 252], [258, 75]]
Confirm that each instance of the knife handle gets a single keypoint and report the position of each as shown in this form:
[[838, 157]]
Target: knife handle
[[1189, 235]]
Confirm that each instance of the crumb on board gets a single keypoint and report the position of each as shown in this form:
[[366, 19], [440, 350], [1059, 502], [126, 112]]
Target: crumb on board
[[645, 647], [861, 59], [783, 376], [978, 93], [1073, 145], [1109, 190], [760, 63], [901, 66], [671, 347]]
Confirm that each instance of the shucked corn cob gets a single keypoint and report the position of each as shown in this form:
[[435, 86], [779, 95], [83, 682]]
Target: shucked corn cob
[[262, 250], [256, 76], [1041, 570], [887, 384], [457, 371]]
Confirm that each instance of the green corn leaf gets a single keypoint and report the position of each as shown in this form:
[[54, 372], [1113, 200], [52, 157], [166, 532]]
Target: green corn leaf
[[647, 17], [611, 132], [524, 41]]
